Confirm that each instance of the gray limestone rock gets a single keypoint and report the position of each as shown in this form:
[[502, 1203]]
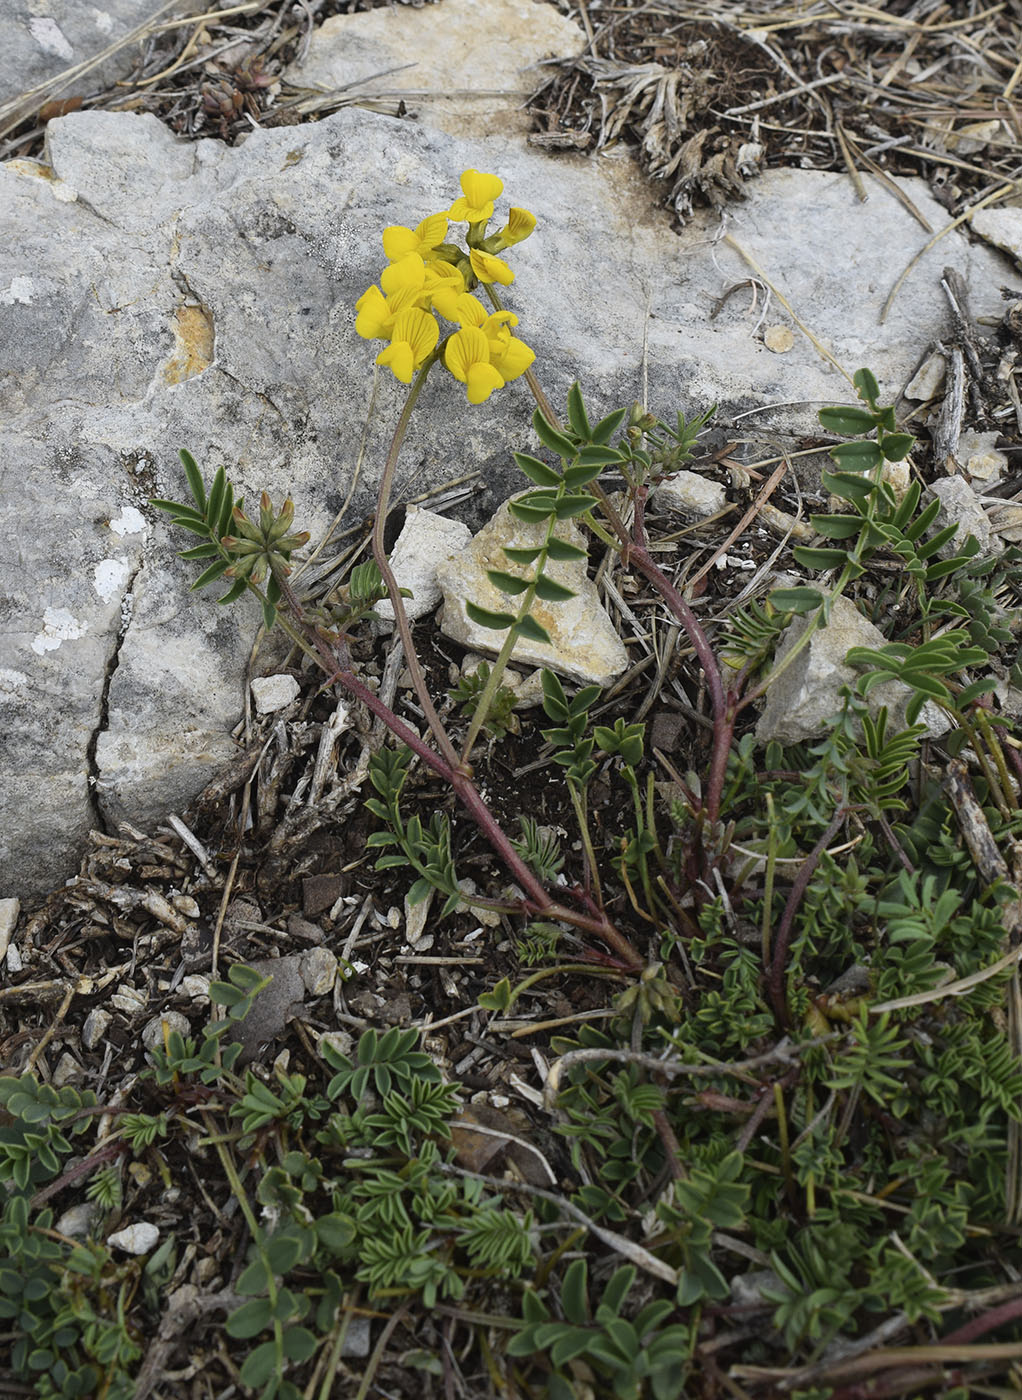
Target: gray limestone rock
[[40, 42], [158, 294]]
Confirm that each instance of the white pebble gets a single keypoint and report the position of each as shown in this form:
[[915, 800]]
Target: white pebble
[[135, 1239]]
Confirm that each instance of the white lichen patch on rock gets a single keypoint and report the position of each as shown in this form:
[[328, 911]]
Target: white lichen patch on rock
[[129, 522], [109, 577], [59, 625]]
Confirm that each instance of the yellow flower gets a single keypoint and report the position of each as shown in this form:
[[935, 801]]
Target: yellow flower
[[490, 269], [375, 318], [408, 275], [398, 241], [509, 355], [414, 339], [468, 358], [478, 193], [520, 224], [443, 280]]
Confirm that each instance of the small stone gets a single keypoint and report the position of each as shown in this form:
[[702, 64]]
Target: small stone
[[928, 379], [128, 999], [66, 1070], [76, 1220], [135, 1239], [154, 1035], [298, 927], [1002, 227], [779, 339], [980, 457], [341, 1042], [186, 905], [9, 910], [584, 644], [321, 892], [272, 693], [14, 960], [195, 986], [95, 1027], [415, 923], [959, 506], [357, 1338], [426, 541], [692, 494], [319, 970]]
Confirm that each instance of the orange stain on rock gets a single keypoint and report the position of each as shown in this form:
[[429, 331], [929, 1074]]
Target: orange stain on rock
[[193, 344]]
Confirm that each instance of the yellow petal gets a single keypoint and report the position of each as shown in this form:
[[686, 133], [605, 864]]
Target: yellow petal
[[419, 331], [490, 269], [482, 380], [408, 274], [513, 358], [398, 242], [375, 317], [399, 360], [466, 348], [520, 224]]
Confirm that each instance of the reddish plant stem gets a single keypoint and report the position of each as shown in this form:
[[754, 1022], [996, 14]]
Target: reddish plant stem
[[986, 1322], [782, 938], [536, 898]]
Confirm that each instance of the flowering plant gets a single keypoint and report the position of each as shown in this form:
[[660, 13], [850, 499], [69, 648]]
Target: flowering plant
[[428, 278]]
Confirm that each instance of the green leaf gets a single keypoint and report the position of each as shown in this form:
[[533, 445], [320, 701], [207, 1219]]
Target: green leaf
[[234, 592], [194, 479], [819, 558], [837, 527], [847, 485], [522, 556], [507, 583], [561, 549], [253, 1279], [250, 1319], [551, 437], [537, 471], [260, 1365], [202, 551], [618, 1288], [298, 1343], [972, 692], [607, 427], [574, 505], [177, 508], [897, 446], [857, 456], [581, 475], [530, 511], [796, 600], [598, 457], [866, 386], [529, 628], [335, 1231], [495, 621], [552, 592], [283, 1252], [499, 999], [574, 1293], [848, 421], [209, 575], [419, 891], [577, 416]]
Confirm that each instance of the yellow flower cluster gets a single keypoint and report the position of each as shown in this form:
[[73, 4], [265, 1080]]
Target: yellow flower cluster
[[427, 277]]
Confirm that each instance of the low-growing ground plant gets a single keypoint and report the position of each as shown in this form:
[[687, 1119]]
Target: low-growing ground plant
[[788, 1156]]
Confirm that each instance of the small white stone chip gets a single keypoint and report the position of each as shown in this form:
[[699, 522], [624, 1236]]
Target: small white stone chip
[[9, 910], [272, 693], [692, 494], [135, 1239]]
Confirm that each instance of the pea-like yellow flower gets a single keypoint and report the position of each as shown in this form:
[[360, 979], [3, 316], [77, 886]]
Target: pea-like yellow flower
[[408, 275], [478, 191], [520, 224], [413, 340], [444, 281], [490, 269], [509, 356], [375, 318], [468, 358], [398, 241]]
